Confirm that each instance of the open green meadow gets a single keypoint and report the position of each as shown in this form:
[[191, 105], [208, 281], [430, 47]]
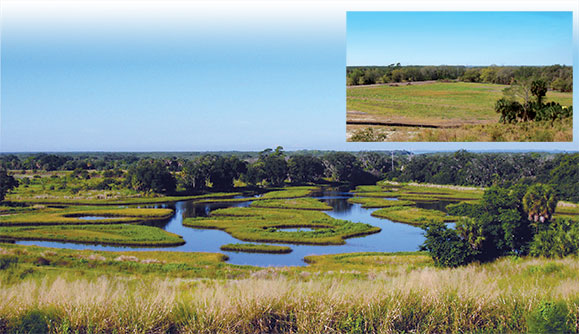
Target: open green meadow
[[443, 111]]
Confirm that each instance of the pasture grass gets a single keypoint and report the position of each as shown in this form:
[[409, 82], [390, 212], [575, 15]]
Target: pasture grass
[[305, 203], [256, 248], [453, 102], [344, 293], [262, 224], [72, 215], [413, 216], [118, 234]]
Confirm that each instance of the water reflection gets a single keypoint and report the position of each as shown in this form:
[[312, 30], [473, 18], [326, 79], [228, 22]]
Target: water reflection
[[394, 237]]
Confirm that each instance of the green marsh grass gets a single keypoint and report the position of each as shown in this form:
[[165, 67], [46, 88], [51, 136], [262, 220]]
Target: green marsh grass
[[306, 203], [262, 224], [256, 248], [118, 234], [374, 202], [72, 215], [413, 215], [290, 192]]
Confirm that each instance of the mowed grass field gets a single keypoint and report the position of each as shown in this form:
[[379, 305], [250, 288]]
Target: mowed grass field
[[453, 103]]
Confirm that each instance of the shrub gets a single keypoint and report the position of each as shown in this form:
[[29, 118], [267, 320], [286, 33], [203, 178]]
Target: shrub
[[7, 261], [549, 317], [34, 322], [446, 247]]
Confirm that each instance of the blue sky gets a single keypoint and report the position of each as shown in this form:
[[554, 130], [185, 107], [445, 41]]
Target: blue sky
[[142, 76], [460, 38]]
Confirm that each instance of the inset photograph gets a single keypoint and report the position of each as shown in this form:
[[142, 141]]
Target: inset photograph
[[459, 77]]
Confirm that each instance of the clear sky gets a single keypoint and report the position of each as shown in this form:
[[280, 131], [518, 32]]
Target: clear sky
[[177, 76], [460, 38]]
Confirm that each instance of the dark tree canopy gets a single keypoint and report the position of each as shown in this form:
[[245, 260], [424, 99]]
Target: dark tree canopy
[[7, 183], [151, 175]]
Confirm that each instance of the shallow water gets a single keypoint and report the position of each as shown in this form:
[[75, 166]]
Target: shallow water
[[394, 237]]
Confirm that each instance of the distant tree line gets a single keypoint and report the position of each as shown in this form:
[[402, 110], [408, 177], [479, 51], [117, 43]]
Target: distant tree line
[[557, 77], [275, 167]]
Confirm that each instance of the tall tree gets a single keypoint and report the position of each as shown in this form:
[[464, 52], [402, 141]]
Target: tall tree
[[7, 183]]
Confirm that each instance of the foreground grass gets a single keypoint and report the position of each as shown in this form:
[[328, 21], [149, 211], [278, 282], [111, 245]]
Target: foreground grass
[[73, 215], [262, 225], [558, 131], [344, 293], [118, 234], [293, 203], [412, 215], [255, 248]]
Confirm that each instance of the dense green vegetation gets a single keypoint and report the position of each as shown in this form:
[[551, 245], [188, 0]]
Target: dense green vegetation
[[263, 225], [118, 234], [517, 105], [256, 248], [557, 77], [507, 221]]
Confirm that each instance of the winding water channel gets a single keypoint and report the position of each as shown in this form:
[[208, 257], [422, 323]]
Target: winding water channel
[[394, 237]]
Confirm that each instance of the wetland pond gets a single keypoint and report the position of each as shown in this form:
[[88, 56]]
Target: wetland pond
[[394, 237]]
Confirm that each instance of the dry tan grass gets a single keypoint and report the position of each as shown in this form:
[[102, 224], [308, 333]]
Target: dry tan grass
[[492, 297]]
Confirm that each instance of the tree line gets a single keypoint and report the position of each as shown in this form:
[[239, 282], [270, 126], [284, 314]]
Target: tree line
[[275, 167], [557, 77]]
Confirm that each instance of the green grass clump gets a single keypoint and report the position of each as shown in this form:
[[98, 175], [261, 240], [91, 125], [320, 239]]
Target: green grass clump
[[369, 260], [118, 234], [422, 192], [290, 192], [292, 203], [261, 225], [255, 248], [70, 215], [373, 202], [412, 215]]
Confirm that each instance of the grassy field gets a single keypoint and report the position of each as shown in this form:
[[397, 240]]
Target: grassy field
[[118, 234], [460, 108], [263, 225], [452, 102], [147, 292], [256, 248]]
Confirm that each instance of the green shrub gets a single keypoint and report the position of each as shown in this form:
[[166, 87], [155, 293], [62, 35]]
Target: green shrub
[[7, 261], [549, 317], [33, 322]]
